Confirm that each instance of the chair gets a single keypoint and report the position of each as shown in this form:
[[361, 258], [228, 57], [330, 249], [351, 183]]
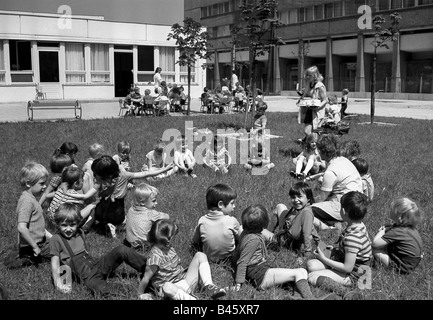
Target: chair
[[123, 107], [149, 107], [205, 103], [40, 94]]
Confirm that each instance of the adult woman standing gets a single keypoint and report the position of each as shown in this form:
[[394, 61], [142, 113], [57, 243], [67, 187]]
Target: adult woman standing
[[340, 177], [315, 89], [157, 77]]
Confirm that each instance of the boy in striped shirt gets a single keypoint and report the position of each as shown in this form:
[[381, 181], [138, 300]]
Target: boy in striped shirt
[[351, 259]]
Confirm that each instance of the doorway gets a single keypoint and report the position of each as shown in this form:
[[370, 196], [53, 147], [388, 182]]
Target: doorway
[[123, 76], [49, 66]]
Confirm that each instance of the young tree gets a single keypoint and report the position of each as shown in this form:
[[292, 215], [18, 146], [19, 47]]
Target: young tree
[[381, 37], [257, 21], [191, 40]]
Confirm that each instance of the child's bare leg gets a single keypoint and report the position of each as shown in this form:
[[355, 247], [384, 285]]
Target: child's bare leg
[[85, 212], [175, 292], [198, 269]]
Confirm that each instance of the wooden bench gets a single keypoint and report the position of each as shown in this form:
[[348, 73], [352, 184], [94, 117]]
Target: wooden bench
[[54, 104]]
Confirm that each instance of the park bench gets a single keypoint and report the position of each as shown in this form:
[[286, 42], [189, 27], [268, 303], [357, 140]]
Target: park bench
[[54, 104]]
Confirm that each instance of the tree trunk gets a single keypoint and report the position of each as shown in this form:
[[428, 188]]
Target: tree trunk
[[189, 91], [373, 89]]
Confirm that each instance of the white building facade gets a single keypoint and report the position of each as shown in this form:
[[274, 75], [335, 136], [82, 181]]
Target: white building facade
[[85, 57]]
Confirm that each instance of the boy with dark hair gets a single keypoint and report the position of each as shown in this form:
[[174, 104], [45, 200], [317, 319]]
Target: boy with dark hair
[[367, 183], [343, 269], [217, 232]]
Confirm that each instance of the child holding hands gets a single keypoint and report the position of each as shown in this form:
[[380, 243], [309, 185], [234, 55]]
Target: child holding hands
[[141, 215], [156, 160], [33, 237], [183, 158], [399, 246], [165, 273]]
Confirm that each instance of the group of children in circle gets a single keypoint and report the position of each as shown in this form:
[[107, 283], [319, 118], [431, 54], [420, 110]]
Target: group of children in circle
[[96, 193]]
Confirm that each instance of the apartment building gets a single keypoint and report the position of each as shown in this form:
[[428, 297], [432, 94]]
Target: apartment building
[[336, 37], [84, 57]]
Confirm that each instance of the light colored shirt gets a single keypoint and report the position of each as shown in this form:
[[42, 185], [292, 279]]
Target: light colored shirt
[[139, 221], [30, 212], [169, 267], [217, 233]]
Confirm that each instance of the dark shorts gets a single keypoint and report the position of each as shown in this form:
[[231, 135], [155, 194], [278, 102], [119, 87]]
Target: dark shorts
[[256, 273], [308, 116], [110, 212], [323, 216]]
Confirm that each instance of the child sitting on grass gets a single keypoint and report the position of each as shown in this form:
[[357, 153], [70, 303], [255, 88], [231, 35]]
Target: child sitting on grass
[[259, 161], [58, 162], [309, 160], [399, 246], [217, 232], [218, 157], [294, 228], [156, 160], [367, 183], [141, 215], [33, 244], [165, 273], [111, 183], [183, 158], [252, 258], [123, 157], [68, 248], [341, 271], [72, 176]]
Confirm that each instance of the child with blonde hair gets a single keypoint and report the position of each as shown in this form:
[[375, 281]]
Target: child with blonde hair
[[165, 273], [309, 160], [141, 215], [123, 157], [96, 150], [33, 244], [252, 258], [217, 156], [157, 159], [399, 246], [367, 182]]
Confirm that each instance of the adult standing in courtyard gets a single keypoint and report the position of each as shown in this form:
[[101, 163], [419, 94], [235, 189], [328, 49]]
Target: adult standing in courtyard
[[234, 81], [316, 90], [340, 177], [157, 78]]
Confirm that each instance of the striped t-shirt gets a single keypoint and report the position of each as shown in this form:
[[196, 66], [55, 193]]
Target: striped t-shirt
[[355, 240], [61, 197], [169, 266]]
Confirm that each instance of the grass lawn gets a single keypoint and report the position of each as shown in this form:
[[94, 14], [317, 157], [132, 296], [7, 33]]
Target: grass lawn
[[400, 163]]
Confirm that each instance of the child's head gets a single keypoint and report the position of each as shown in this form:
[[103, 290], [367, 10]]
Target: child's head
[[147, 92], [259, 92], [405, 212], [311, 141], [124, 149], [361, 165], [345, 91], [73, 176], [33, 176], [59, 161], [220, 197], [181, 142], [161, 232], [145, 195], [69, 148], [350, 149], [262, 108], [96, 150], [218, 142], [205, 89], [332, 99], [301, 195], [254, 219], [354, 204], [181, 88], [159, 148], [327, 146], [105, 169], [67, 219]]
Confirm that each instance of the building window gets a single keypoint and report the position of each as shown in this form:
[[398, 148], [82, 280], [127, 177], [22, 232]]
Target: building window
[[329, 7], [184, 74], [284, 17], [338, 9], [309, 14], [166, 62], [422, 2], [2, 63], [408, 3], [74, 63], [301, 14], [350, 8], [293, 16], [21, 61], [145, 64], [396, 4], [318, 12], [99, 64]]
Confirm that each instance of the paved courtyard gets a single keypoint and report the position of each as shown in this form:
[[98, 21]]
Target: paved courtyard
[[17, 112]]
